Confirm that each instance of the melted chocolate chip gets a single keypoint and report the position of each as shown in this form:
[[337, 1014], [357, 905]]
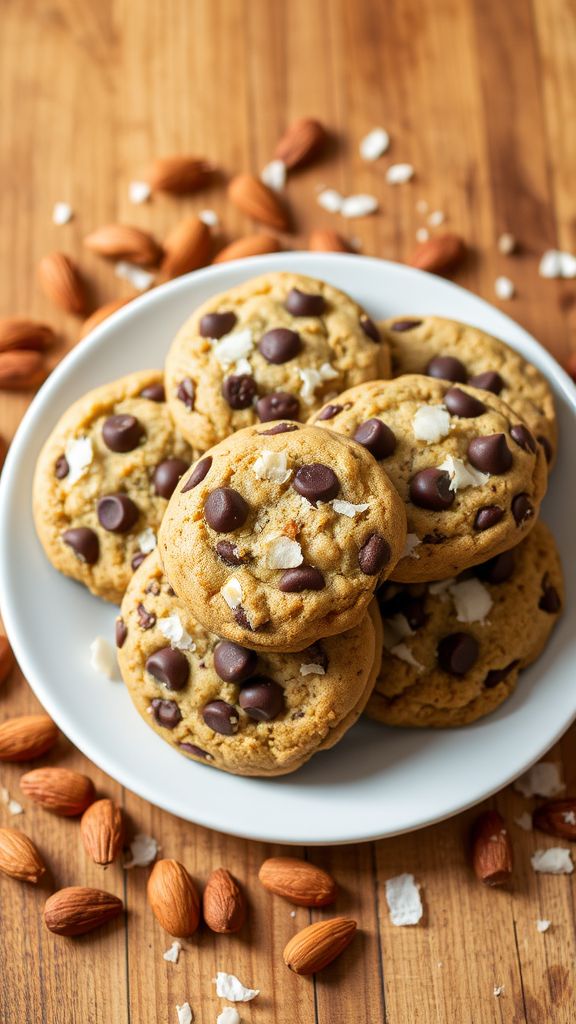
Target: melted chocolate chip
[[122, 433], [239, 390], [550, 600], [120, 631], [430, 489], [461, 404], [370, 329], [489, 381], [225, 510], [498, 675], [61, 467], [169, 667], [522, 508], [146, 619], [303, 304], [457, 653], [373, 555], [305, 577], [490, 454], [198, 473], [136, 562], [221, 717], [316, 482], [376, 437], [191, 748], [84, 543], [329, 412], [234, 663], [216, 325], [262, 699], [497, 569], [166, 713], [280, 345], [523, 437], [280, 428], [546, 446], [447, 368], [227, 552], [166, 476], [154, 393], [185, 393], [242, 619], [487, 517], [117, 513], [405, 325], [277, 406]]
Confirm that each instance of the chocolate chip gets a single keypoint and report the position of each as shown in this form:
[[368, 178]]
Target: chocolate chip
[[430, 488], [262, 699], [191, 748], [185, 393], [405, 325], [489, 381], [497, 569], [146, 620], [316, 482], [329, 412], [457, 653], [370, 329], [117, 513], [153, 588], [315, 655], [377, 437], [121, 632], [84, 543], [550, 600], [136, 562], [447, 368], [122, 433], [404, 603], [546, 446], [280, 345], [61, 467], [460, 404], [221, 717], [303, 304], [373, 555], [277, 406], [166, 713], [497, 675], [293, 581], [523, 437], [225, 510], [234, 663], [166, 476], [198, 473], [169, 667], [242, 619], [490, 454], [487, 517], [522, 508], [239, 390], [280, 428], [154, 393], [216, 325], [227, 552]]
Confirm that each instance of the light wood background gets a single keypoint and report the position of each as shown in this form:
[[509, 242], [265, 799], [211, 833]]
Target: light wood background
[[480, 96]]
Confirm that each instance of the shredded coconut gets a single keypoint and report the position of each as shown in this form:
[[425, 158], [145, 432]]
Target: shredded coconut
[[139, 278], [399, 174], [79, 454], [209, 217], [331, 200], [233, 347], [312, 379], [431, 423], [274, 175], [374, 144], [403, 652], [498, 990], [441, 587], [147, 540], [185, 1015], [542, 779], [171, 627], [403, 898], [422, 235], [62, 213], [504, 288], [229, 1015], [229, 987], [312, 669], [462, 474], [172, 954], [569, 817], [396, 628], [359, 206], [13, 806], [232, 592], [143, 850], [103, 657], [556, 860], [346, 508], [139, 192], [283, 553], [472, 600], [412, 542], [436, 218], [506, 243], [543, 925], [272, 466], [556, 263]]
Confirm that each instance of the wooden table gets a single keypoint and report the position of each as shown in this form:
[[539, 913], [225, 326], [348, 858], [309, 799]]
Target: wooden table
[[479, 95]]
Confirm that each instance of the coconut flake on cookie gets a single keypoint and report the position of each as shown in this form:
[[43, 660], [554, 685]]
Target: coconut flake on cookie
[[146, 540], [272, 466], [283, 553], [431, 423], [79, 455], [412, 542], [232, 347], [172, 629], [462, 474], [471, 599], [312, 669], [232, 593], [346, 508], [312, 379]]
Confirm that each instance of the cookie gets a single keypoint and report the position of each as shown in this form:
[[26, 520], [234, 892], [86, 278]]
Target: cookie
[[464, 354], [103, 480], [469, 470], [280, 534], [217, 702], [453, 650], [273, 348]]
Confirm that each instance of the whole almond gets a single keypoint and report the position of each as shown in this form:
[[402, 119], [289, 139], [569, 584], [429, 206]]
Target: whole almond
[[124, 242], [325, 240], [6, 658], [78, 909], [492, 857], [187, 247], [19, 858], [19, 332], [179, 174], [251, 245], [439, 253], [301, 141], [26, 737], [21, 369], [59, 790], [102, 313], [319, 944], [298, 881], [223, 903], [102, 831], [173, 898], [261, 203], [557, 818], [61, 282]]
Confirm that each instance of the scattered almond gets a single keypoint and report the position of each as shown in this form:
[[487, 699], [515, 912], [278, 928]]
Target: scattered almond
[[21, 369], [439, 253], [19, 858], [223, 903], [251, 245], [179, 174], [6, 658], [101, 314], [18, 332], [123, 242], [254, 198], [187, 247], [557, 818], [319, 944], [298, 881], [173, 898], [26, 737], [304, 138], [325, 240], [78, 909], [61, 282], [492, 858], [59, 790], [102, 831]]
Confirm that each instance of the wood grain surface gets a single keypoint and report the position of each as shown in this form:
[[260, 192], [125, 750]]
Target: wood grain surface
[[479, 95]]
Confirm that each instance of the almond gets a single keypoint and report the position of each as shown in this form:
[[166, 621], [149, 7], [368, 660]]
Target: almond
[[173, 898], [187, 247], [59, 790], [301, 141], [179, 174], [102, 831], [254, 198], [102, 313], [325, 240], [20, 332], [78, 909], [6, 658], [21, 369], [19, 858], [223, 903], [439, 253], [123, 242], [61, 282], [298, 881], [319, 944], [251, 245], [557, 818], [26, 737], [492, 858]]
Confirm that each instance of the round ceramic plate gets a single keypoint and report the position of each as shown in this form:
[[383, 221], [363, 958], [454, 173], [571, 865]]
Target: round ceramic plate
[[377, 781]]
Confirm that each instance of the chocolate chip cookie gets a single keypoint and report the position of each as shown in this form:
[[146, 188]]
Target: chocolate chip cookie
[[468, 468], [463, 354], [244, 712], [103, 480], [280, 534], [453, 650], [273, 348]]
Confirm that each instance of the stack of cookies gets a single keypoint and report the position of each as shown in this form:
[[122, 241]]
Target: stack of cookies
[[309, 515]]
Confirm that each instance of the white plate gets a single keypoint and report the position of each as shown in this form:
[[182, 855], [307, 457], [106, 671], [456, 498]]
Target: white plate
[[376, 782]]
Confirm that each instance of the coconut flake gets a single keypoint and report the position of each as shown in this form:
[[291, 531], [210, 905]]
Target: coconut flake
[[441, 587], [556, 263], [185, 1015], [233, 347], [472, 600], [403, 652], [172, 954], [229, 1015], [403, 899], [497, 990], [431, 423], [243, 367], [171, 627], [412, 542], [229, 987], [139, 278], [436, 218], [62, 213], [283, 553], [398, 174], [146, 540], [462, 474], [13, 806], [422, 235], [542, 779], [543, 925], [506, 243], [274, 175], [79, 454], [209, 217], [346, 508], [143, 850], [232, 592], [360, 205], [312, 669], [556, 860], [524, 821], [139, 192], [569, 817], [329, 199], [272, 466], [103, 657], [374, 144], [312, 379], [396, 628], [504, 288]]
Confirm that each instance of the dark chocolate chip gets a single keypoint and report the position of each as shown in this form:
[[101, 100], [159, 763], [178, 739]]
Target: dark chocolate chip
[[329, 412], [280, 428], [546, 446], [277, 406], [185, 393], [191, 748], [404, 603], [550, 600], [216, 325], [280, 345], [136, 562], [487, 517], [522, 508], [221, 717], [405, 325], [523, 437], [316, 482], [239, 390], [146, 619], [430, 488], [498, 675], [117, 513], [61, 467], [166, 713], [305, 577], [166, 476], [497, 569], [225, 510], [154, 393], [242, 619], [489, 381], [370, 329], [373, 555], [169, 667], [460, 404], [121, 632], [226, 550], [447, 368], [262, 699], [377, 437], [490, 454], [84, 543], [234, 663], [198, 473], [303, 304], [122, 433], [457, 653]]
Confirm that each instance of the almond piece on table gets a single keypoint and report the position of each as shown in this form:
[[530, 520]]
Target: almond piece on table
[[179, 174], [302, 140], [124, 242], [298, 881], [325, 240], [19, 858], [20, 332], [59, 790], [102, 313], [223, 903], [61, 282], [186, 248], [78, 909], [319, 944], [557, 818], [7, 660], [492, 857], [102, 831], [26, 737], [261, 203], [173, 898], [251, 245], [21, 369], [439, 253]]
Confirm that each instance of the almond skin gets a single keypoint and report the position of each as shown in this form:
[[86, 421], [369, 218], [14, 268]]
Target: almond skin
[[179, 174], [7, 661], [59, 790], [324, 240], [439, 253], [60, 281], [102, 313], [21, 369], [123, 242], [78, 909], [304, 138], [251, 245], [492, 857], [19, 332], [26, 737], [173, 898], [319, 944], [19, 858], [102, 831], [298, 881], [223, 903], [557, 818], [187, 247], [254, 198]]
